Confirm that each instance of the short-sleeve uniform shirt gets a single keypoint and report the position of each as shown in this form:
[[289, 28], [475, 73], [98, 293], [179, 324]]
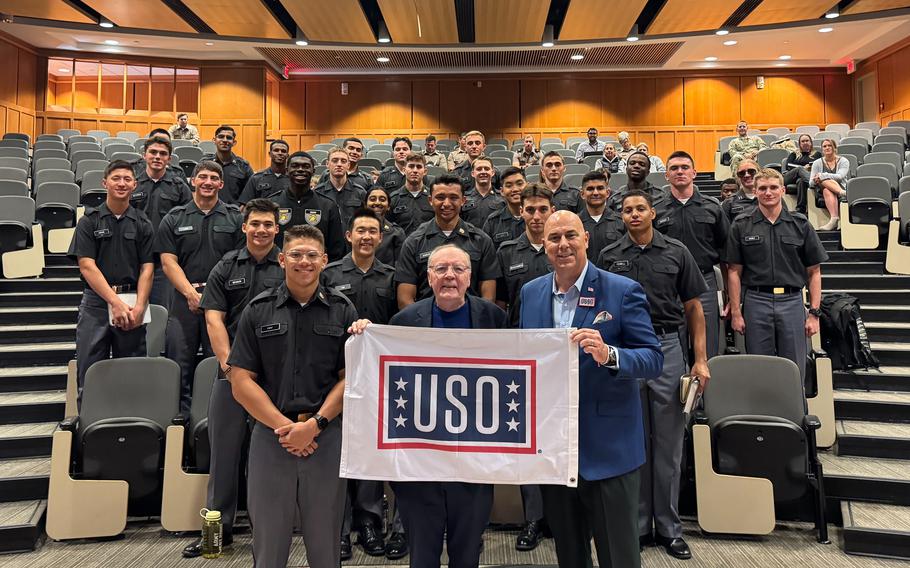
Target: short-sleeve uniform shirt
[[266, 183], [372, 292], [699, 223], [237, 172], [119, 246], [478, 207], [502, 226], [408, 210], [601, 232], [199, 240], [350, 198], [156, 198], [311, 209], [392, 240], [520, 263]]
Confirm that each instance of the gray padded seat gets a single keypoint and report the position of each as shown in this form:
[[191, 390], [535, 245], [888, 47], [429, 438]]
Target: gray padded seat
[[17, 213]]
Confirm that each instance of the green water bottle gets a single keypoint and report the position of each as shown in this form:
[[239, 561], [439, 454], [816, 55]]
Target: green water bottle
[[211, 533]]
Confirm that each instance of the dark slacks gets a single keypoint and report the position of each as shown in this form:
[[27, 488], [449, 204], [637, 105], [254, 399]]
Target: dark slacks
[[776, 325], [433, 510], [186, 333], [228, 429], [606, 509]]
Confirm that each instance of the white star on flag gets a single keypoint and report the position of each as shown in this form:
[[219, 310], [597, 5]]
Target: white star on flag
[[401, 384], [401, 401], [399, 421], [513, 425], [513, 406], [513, 388]]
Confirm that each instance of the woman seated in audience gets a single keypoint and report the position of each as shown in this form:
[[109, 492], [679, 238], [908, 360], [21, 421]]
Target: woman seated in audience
[[657, 165], [829, 176], [798, 167]]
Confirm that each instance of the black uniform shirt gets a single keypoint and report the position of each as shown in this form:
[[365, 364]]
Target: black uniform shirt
[[566, 198], [464, 169], [412, 263], [119, 247], [392, 240], [156, 198], [699, 223], [349, 199], [409, 211], [737, 205], [478, 207], [391, 178], [774, 254], [665, 269], [237, 172], [372, 292], [520, 263], [237, 279], [312, 209], [608, 230], [266, 183], [502, 226], [199, 240], [657, 195], [361, 179], [296, 351]]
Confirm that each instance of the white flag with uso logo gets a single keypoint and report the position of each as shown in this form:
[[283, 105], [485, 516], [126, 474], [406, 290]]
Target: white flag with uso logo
[[472, 405]]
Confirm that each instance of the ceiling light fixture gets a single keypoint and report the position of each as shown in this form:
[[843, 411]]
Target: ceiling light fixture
[[382, 33], [722, 32], [111, 42], [210, 43], [833, 13], [548, 39], [577, 57], [300, 38], [105, 23], [731, 42], [633, 33], [710, 58], [382, 59], [785, 57], [63, 70], [825, 30]]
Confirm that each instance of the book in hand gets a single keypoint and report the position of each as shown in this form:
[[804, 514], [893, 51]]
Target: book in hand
[[129, 298]]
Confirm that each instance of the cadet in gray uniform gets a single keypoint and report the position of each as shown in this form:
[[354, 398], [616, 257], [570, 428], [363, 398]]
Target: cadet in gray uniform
[[370, 285], [190, 241], [239, 276], [113, 245], [296, 400], [698, 222], [523, 260], [447, 198], [773, 253], [604, 226], [507, 224], [672, 283]]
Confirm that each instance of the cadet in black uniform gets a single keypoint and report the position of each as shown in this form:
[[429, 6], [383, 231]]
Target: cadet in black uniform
[[341, 190], [237, 171], [410, 203], [603, 225], [287, 370], [507, 224], [354, 148], [190, 241], [728, 189], [272, 180], [370, 285], [474, 144], [113, 245], [447, 197], [552, 174], [300, 205], [638, 165], [673, 283], [743, 201], [773, 253], [392, 177], [158, 190], [698, 222], [140, 164], [392, 235], [482, 200], [240, 276], [523, 260]]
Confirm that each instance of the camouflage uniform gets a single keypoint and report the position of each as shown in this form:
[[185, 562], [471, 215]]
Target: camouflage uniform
[[743, 147]]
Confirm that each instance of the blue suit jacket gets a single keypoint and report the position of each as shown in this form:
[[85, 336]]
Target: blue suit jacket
[[484, 314], [610, 432]]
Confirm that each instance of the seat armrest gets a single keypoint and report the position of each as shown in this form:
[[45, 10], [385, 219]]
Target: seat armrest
[[70, 423], [811, 422], [818, 354], [699, 416], [180, 420], [732, 351]]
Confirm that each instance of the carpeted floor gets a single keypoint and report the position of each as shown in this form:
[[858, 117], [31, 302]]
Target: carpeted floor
[[145, 546]]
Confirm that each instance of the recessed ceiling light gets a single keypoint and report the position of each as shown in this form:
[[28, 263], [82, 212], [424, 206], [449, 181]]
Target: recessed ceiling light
[[112, 50], [785, 57], [210, 43], [722, 32], [730, 42], [780, 65], [548, 39], [825, 30], [302, 42], [633, 33], [832, 13], [106, 24], [111, 42], [710, 58], [382, 59], [577, 57], [63, 70], [382, 33]]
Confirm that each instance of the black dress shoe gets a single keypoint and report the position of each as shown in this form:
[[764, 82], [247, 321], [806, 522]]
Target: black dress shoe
[[371, 540], [529, 537], [397, 546], [346, 551], [676, 547], [194, 549], [645, 540]]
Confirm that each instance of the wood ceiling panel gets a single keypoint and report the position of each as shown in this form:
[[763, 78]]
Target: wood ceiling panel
[[45, 9], [526, 19], [863, 6], [779, 11], [245, 18], [151, 13], [677, 16], [598, 19], [437, 21], [341, 21]]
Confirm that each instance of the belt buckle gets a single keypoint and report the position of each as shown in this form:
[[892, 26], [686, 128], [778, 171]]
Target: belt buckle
[[778, 291], [304, 416]]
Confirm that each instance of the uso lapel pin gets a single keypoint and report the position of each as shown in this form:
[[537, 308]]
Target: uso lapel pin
[[586, 302]]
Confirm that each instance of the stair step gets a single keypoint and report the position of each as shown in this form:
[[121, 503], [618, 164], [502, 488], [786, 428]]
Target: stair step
[[61, 271], [30, 406], [853, 267], [869, 295], [892, 352], [876, 529], [20, 524], [873, 439], [42, 285], [39, 299], [886, 331], [864, 282], [872, 406], [24, 478], [831, 246], [52, 314], [876, 313], [884, 378], [41, 378], [829, 236], [26, 440], [31, 333], [856, 256], [866, 478], [37, 354]]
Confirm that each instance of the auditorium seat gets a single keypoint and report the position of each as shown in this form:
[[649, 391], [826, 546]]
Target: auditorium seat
[[14, 143], [76, 157], [551, 146], [501, 154], [657, 178], [98, 135], [905, 124], [189, 153], [155, 331], [13, 174], [207, 146], [92, 192], [618, 180], [897, 258], [866, 213], [772, 158], [591, 162], [67, 133], [380, 155], [48, 138], [17, 188], [572, 142], [112, 149], [495, 147], [811, 130], [894, 158], [89, 165], [55, 205], [899, 130], [128, 135], [779, 131], [551, 140], [864, 133], [16, 152], [838, 127], [139, 145], [130, 157], [46, 175], [573, 180], [856, 150], [580, 169], [49, 145], [379, 148], [371, 162], [500, 163], [892, 138], [52, 164], [768, 138], [755, 448], [188, 167], [21, 242], [827, 135], [49, 153], [567, 155], [114, 140], [17, 163], [873, 126]]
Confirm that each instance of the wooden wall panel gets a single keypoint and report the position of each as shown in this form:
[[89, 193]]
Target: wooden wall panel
[[712, 100], [493, 105], [425, 96], [797, 99], [839, 99], [232, 92], [27, 81], [292, 105], [9, 55]]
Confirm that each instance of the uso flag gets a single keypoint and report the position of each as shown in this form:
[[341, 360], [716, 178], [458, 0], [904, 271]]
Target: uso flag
[[477, 405]]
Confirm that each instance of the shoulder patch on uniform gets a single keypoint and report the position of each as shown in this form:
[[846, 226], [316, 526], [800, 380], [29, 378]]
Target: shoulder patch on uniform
[[710, 199]]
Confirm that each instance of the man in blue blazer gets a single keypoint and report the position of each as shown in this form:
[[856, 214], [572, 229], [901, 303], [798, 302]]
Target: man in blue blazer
[[619, 347]]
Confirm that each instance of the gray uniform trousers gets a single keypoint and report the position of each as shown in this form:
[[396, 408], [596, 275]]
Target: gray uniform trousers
[[776, 325], [227, 430], [664, 428], [186, 333], [532, 502], [162, 290], [280, 484], [712, 315], [97, 339]]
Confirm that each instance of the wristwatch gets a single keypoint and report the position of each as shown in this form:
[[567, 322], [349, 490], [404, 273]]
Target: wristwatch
[[321, 421], [611, 357], [815, 312]]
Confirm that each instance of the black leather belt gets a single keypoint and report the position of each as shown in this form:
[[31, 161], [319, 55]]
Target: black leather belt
[[661, 330], [777, 290], [299, 416], [121, 288], [197, 286]]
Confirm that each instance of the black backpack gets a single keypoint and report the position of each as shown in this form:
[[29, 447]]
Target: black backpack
[[844, 335]]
